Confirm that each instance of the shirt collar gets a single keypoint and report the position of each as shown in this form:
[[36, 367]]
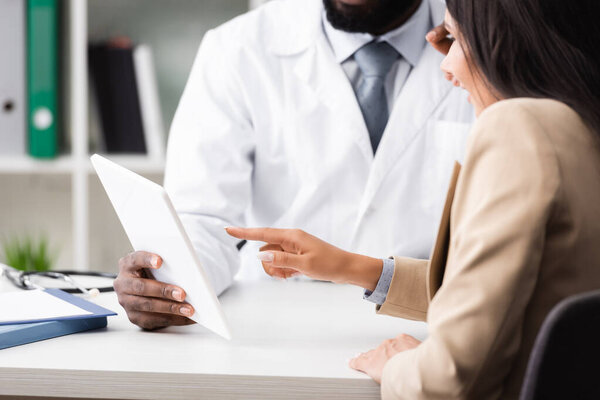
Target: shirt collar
[[408, 39]]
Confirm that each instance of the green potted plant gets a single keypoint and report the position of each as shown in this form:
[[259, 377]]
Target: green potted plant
[[28, 253]]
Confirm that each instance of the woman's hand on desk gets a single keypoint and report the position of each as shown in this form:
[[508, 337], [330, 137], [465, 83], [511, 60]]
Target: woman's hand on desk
[[149, 304], [373, 361], [289, 252]]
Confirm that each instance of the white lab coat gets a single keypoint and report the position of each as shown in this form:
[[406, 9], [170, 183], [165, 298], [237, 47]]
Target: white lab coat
[[269, 133]]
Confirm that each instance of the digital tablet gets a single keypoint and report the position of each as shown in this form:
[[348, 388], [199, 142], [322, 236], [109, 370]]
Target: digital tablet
[[152, 225]]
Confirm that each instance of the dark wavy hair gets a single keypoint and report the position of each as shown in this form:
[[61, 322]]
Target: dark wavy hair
[[536, 48]]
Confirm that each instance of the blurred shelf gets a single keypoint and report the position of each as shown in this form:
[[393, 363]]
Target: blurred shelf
[[66, 164], [139, 164], [29, 165]]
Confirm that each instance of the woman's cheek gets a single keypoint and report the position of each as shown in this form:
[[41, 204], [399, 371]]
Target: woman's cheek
[[447, 66], [459, 62]]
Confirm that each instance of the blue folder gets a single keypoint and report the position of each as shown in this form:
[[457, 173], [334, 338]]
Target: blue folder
[[22, 332]]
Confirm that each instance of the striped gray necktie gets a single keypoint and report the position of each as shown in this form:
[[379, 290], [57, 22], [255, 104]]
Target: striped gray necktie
[[374, 60]]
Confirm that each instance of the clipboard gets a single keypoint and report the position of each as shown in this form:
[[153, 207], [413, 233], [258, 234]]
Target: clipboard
[[88, 309], [16, 332]]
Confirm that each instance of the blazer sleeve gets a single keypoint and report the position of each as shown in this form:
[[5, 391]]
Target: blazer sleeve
[[407, 297], [504, 199]]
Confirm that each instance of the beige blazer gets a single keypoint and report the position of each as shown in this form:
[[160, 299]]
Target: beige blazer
[[522, 233]]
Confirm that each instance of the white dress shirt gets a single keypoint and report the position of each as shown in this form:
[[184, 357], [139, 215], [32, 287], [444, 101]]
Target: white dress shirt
[[408, 40]]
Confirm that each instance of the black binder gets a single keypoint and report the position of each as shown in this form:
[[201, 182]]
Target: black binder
[[113, 76]]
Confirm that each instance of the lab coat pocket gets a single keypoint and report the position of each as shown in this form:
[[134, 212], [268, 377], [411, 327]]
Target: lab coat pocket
[[449, 137], [446, 142]]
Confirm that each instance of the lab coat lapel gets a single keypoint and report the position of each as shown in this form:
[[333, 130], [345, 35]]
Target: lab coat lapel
[[423, 91], [327, 81]]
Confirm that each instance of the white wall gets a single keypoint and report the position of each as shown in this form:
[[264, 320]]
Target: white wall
[[173, 28], [257, 3]]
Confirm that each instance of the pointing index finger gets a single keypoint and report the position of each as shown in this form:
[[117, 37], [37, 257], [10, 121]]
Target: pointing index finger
[[268, 235]]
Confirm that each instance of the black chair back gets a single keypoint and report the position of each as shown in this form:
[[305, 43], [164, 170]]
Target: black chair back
[[565, 360]]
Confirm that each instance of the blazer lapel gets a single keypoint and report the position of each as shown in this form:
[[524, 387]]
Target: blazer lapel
[[439, 255]]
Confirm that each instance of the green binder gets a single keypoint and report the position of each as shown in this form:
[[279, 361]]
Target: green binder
[[42, 63]]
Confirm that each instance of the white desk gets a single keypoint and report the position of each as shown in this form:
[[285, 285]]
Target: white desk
[[290, 340]]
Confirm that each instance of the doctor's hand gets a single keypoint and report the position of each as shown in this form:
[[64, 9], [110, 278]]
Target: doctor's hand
[[149, 304], [372, 362], [289, 252]]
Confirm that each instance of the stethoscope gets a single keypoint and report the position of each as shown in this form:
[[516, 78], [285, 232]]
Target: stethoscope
[[22, 279]]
